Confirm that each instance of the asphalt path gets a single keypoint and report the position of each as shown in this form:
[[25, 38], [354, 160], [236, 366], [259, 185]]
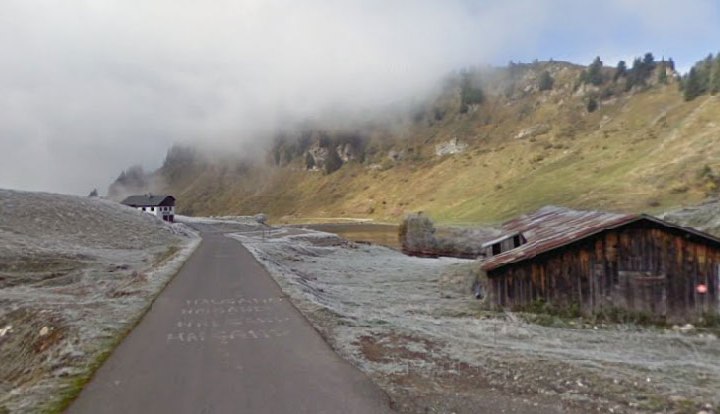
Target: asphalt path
[[222, 338]]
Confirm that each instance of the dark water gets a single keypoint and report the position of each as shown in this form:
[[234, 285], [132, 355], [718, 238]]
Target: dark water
[[382, 234]]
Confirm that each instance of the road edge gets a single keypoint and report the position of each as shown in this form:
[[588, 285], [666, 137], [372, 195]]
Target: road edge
[[315, 326], [170, 267]]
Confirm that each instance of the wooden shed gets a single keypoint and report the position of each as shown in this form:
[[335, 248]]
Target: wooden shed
[[599, 261]]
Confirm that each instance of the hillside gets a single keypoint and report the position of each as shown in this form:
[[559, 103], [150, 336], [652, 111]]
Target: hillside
[[75, 273], [493, 143]]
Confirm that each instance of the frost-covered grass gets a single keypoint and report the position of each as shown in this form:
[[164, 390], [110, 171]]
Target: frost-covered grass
[[410, 322], [75, 274]]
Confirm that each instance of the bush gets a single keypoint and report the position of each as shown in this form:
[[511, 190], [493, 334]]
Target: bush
[[592, 105], [417, 234], [545, 82]]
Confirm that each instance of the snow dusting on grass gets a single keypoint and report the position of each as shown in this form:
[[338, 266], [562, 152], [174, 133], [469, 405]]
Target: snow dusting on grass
[[413, 325], [75, 274]]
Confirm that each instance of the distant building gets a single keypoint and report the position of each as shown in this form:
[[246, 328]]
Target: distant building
[[161, 206], [602, 262]]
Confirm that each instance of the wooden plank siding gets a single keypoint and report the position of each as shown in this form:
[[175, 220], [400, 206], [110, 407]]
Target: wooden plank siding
[[641, 267]]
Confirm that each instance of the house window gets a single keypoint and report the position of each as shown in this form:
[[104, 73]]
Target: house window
[[143, 208], [152, 208], [496, 248]]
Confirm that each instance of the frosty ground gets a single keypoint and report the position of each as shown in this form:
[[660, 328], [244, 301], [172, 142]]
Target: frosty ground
[[75, 274], [413, 325]]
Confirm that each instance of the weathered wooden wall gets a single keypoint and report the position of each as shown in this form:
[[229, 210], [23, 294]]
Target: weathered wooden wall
[[642, 267]]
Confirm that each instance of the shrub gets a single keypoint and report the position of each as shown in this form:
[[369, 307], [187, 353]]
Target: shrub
[[546, 81], [417, 234], [592, 105]]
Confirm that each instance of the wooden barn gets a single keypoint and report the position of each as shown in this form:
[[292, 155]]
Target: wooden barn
[[599, 261]]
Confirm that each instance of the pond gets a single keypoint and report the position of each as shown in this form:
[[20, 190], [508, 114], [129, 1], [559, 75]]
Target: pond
[[381, 234]]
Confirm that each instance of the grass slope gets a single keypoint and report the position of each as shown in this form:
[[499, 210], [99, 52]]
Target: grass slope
[[643, 150]]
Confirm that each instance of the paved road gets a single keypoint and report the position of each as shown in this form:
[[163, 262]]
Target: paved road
[[221, 338]]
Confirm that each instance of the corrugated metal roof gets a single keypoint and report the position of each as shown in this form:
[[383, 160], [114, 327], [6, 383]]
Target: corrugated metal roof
[[552, 227], [148, 200]]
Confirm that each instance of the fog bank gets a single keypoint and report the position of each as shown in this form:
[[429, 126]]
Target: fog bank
[[90, 87]]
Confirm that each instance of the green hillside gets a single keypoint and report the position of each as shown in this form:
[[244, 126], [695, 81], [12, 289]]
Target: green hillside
[[493, 143]]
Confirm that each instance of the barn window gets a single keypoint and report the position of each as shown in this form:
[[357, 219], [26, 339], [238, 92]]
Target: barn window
[[496, 249], [516, 241]]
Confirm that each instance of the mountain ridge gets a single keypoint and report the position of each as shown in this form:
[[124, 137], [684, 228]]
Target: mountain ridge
[[493, 143]]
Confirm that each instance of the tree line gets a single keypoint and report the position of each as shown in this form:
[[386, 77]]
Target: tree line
[[638, 74], [703, 78]]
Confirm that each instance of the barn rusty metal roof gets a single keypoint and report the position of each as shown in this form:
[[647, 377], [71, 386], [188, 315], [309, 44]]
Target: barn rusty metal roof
[[552, 227]]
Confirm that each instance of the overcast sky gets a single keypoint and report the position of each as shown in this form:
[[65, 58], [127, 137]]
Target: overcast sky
[[88, 88]]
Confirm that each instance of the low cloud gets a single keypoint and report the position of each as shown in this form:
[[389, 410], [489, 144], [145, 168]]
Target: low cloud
[[90, 87]]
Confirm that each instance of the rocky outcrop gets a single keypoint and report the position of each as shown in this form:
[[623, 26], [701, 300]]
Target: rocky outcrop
[[533, 131], [318, 155], [451, 147]]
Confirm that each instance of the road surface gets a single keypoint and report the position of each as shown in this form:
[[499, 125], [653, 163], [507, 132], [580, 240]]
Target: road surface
[[221, 338]]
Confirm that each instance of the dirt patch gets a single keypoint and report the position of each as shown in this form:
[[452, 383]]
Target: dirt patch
[[391, 347], [30, 336], [429, 381]]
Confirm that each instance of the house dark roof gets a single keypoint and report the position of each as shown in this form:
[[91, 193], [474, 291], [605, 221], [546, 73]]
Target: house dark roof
[[149, 200], [552, 227]]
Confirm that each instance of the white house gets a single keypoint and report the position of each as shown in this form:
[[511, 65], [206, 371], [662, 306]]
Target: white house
[[161, 206]]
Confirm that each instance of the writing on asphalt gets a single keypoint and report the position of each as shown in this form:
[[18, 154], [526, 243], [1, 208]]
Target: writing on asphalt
[[227, 319]]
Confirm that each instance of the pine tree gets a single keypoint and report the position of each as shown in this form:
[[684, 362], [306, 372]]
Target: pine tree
[[635, 76], [620, 71], [671, 64], [715, 76], [693, 87], [594, 73], [704, 73], [546, 81], [648, 63], [662, 72]]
